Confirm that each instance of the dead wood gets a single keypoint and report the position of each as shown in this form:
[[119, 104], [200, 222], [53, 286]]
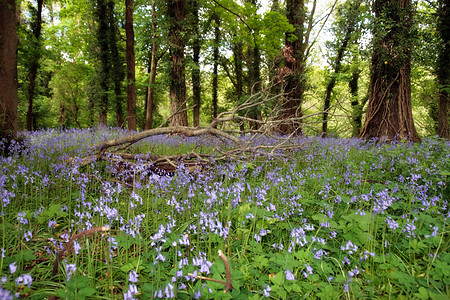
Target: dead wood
[[226, 141]]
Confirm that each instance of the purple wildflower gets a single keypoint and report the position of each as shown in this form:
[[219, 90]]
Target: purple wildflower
[[133, 276], [24, 279], [132, 290], [266, 291], [12, 268], [70, 269], [289, 275], [5, 295]]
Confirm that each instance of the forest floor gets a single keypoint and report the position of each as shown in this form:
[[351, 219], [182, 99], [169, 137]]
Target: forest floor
[[332, 219]]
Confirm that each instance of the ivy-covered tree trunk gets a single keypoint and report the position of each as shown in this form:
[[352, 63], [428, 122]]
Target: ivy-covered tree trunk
[[291, 108], [444, 68], [238, 68], [102, 38], [36, 28], [196, 47], [9, 98], [215, 76], [131, 87], [176, 18], [152, 79], [117, 62], [255, 73], [389, 112], [357, 108]]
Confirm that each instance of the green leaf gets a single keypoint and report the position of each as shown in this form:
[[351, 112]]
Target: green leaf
[[25, 255], [85, 292], [422, 294], [278, 279]]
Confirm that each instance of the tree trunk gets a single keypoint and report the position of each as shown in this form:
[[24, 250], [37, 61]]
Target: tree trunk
[[9, 98], [357, 108], [117, 75], [196, 87], [215, 75], [291, 108], [102, 38], [389, 113], [131, 87], [176, 16], [36, 28], [152, 79], [238, 54], [444, 68], [350, 26]]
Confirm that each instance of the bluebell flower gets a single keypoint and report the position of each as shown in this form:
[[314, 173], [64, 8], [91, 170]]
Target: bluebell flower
[[266, 291], [131, 292], [24, 279], [27, 236], [309, 271], [133, 276], [289, 275], [350, 247], [12, 268], [70, 269], [5, 295]]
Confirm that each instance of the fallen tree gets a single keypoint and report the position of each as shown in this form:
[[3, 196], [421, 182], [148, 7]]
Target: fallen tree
[[228, 142]]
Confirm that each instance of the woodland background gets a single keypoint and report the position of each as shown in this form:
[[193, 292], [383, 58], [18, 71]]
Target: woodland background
[[135, 63]]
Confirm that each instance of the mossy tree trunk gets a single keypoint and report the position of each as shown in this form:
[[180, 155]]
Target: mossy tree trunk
[[389, 112], [444, 68], [131, 87], [176, 18]]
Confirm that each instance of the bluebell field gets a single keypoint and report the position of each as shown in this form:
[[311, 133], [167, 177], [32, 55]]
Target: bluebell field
[[334, 218]]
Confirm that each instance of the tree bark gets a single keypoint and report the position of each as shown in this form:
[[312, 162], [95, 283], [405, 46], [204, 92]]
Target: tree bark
[[36, 28], [196, 87], [291, 108], [238, 54], [152, 79], [357, 108], [444, 68], [215, 75], [131, 77], [9, 98], [117, 75], [102, 38], [389, 113], [176, 18], [350, 26]]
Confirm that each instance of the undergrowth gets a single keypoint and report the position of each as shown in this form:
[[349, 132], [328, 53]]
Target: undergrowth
[[337, 218]]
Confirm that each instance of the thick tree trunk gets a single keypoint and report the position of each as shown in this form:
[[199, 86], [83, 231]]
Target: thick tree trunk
[[444, 69], [389, 113], [36, 28], [215, 75], [176, 16], [196, 87], [8, 70], [131, 87], [291, 108]]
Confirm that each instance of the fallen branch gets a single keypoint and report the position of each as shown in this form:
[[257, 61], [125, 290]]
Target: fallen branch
[[227, 284], [69, 246]]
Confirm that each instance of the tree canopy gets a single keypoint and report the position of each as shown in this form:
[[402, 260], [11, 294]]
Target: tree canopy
[[136, 63]]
